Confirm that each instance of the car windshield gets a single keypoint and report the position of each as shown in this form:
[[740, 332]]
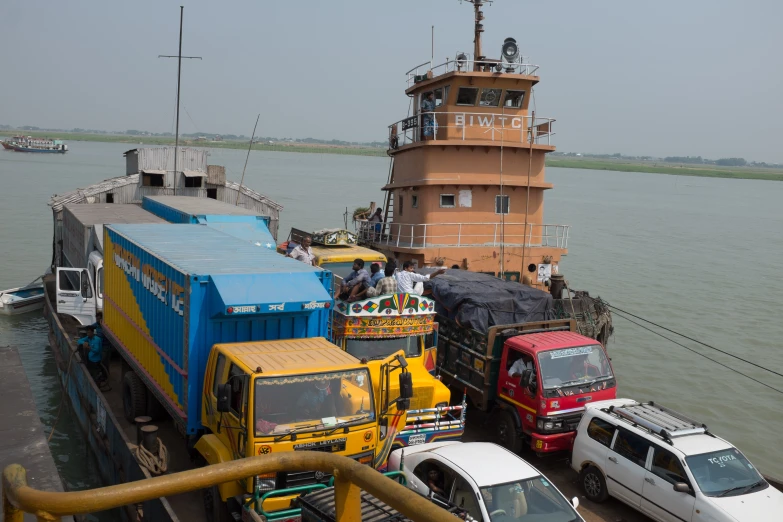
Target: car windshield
[[374, 349], [532, 500], [724, 473], [312, 401], [569, 366]]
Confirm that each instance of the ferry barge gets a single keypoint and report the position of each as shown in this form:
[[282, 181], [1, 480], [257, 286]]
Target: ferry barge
[[31, 144]]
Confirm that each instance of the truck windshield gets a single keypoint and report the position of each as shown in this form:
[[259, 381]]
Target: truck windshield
[[298, 402], [570, 366], [533, 499], [725, 473], [374, 349]]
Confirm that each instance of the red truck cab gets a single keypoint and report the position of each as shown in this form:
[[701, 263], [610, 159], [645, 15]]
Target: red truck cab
[[544, 381]]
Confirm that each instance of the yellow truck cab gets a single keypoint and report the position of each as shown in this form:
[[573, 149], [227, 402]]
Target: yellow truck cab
[[334, 250], [375, 328], [262, 398]]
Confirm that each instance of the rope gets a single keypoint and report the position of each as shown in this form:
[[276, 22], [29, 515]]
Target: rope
[[697, 341], [156, 464]]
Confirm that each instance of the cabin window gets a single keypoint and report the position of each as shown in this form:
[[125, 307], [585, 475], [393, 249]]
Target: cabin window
[[441, 95], [514, 99], [152, 180], [447, 201], [109, 198], [490, 97], [467, 96], [501, 204], [193, 181], [399, 206], [414, 201]]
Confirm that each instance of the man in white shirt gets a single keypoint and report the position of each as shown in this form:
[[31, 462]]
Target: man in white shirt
[[519, 366], [409, 282], [303, 252]]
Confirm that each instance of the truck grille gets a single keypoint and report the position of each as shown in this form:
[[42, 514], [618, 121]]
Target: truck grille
[[301, 478]]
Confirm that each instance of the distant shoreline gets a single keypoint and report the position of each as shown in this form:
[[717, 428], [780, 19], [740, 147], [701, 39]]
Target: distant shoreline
[[708, 171]]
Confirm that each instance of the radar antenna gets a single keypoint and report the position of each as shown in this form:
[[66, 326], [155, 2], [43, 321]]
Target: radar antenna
[[477, 56]]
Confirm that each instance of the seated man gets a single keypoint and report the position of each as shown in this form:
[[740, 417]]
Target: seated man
[[356, 280], [375, 276], [409, 282], [386, 285]]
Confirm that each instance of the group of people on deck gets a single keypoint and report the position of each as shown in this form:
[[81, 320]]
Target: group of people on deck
[[360, 284]]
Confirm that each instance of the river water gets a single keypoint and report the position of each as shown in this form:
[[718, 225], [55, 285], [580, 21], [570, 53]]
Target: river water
[[698, 255]]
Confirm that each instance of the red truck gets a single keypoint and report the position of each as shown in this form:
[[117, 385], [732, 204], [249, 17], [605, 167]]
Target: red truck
[[541, 398]]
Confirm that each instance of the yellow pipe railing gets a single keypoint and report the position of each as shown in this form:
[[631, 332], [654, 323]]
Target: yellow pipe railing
[[350, 478]]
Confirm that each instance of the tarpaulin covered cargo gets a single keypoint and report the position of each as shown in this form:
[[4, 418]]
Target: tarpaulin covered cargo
[[479, 301], [233, 220], [79, 221], [173, 291]]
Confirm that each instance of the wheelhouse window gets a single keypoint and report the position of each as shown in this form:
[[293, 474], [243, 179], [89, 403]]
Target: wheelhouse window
[[414, 201], [514, 99], [501, 204], [490, 97], [399, 209], [467, 95], [441, 95], [447, 201]]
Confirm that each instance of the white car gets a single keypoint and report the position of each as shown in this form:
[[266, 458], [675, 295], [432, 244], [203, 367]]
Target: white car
[[668, 466], [486, 480]]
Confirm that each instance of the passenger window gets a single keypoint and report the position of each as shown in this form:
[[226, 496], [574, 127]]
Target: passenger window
[[601, 431], [467, 95], [514, 99], [237, 389], [436, 477], [465, 498], [667, 466], [490, 97], [219, 368], [632, 447], [65, 281]]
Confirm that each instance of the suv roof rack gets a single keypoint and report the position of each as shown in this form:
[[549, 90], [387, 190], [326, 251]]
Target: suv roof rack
[[666, 423]]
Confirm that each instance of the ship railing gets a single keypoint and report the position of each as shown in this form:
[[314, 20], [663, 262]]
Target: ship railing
[[351, 478], [508, 127], [428, 70], [425, 235]]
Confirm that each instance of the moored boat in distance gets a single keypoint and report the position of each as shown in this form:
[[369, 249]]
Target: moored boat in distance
[[31, 144], [15, 301]]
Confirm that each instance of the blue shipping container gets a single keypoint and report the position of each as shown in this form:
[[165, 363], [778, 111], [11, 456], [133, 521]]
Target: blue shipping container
[[173, 291], [235, 221]]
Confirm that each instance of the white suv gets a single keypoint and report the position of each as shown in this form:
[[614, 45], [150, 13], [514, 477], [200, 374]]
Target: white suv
[[667, 466]]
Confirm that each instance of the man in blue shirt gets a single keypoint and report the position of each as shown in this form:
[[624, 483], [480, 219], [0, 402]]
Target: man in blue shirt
[[93, 346], [356, 280]]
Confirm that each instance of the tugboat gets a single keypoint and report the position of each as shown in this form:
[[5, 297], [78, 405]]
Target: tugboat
[[467, 177]]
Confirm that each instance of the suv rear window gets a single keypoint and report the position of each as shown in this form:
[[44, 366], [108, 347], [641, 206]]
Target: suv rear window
[[601, 431]]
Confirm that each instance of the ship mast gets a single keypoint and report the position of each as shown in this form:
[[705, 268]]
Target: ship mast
[[479, 28], [179, 58]]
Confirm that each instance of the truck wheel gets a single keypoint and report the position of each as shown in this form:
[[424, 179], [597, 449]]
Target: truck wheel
[[154, 408], [215, 509], [593, 484], [506, 431], [134, 396]]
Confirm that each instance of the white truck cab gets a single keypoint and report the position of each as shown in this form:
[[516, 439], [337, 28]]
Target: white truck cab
[[80, 290], [667, 466]]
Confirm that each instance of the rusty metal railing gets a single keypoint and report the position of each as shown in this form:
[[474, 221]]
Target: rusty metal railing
[[350, 479]]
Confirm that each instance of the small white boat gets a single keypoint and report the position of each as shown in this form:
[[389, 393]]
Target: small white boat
[[21, 300]]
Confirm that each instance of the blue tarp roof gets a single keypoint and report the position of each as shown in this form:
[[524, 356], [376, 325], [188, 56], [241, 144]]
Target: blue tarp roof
[[200, 250]]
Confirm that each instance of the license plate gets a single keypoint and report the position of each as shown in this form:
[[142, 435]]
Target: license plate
[[416, 439]]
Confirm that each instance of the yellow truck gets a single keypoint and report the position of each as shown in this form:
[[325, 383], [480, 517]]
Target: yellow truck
[[335, 250], [262, 398], [372, 330]]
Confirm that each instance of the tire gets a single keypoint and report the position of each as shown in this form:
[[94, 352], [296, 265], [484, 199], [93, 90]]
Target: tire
[[593, 484], [155, 409], [134, 396], [506, 432], [215, 509]]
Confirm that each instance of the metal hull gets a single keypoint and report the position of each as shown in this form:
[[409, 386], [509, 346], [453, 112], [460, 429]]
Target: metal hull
[[101, 429], [26, 149]]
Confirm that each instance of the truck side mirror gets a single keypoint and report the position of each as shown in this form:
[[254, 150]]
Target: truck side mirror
[[406, 385], [223, 397], [527, 377]]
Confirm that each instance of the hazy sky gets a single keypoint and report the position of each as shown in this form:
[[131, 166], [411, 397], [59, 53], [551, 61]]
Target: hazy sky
[[686, 77]]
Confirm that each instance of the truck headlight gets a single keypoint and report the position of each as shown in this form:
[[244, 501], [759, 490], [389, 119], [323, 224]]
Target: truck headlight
[[549, 425], [265, 482], [540, 424]]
